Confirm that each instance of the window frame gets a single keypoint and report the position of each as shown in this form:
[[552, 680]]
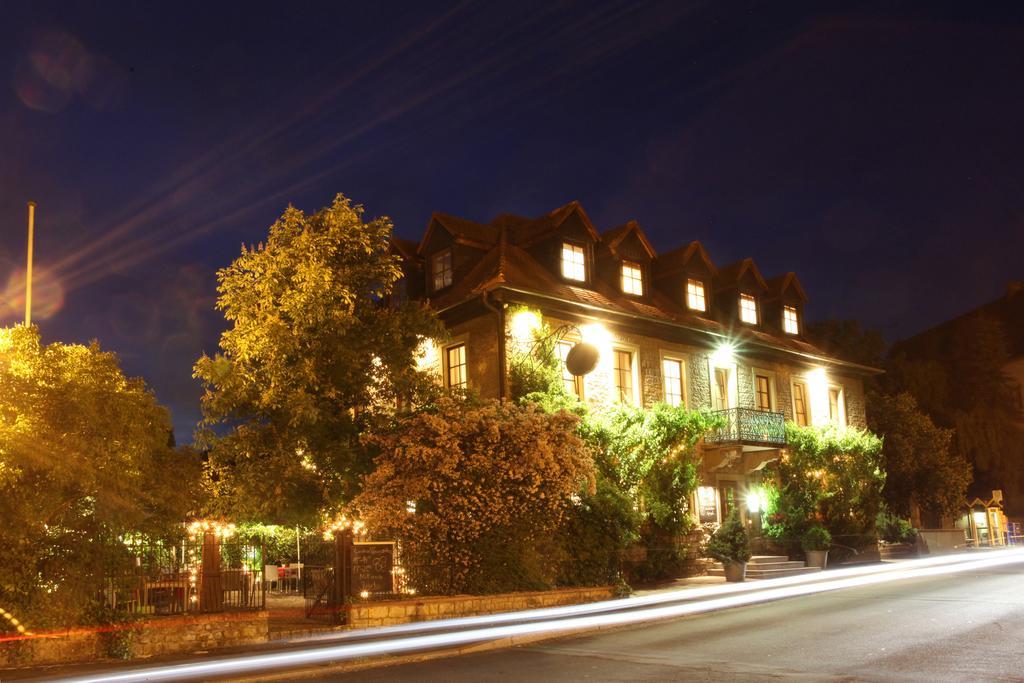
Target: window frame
[[703, 295], [805, 392], [674, 358], [840, 418], [732, 388], [743, 297], [786, 308], [447, 359], [584, 265], [449, 271], [634, 378], [577, 382], [756, 373], [633, 266]]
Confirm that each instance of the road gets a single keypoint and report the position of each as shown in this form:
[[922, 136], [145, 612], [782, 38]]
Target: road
[[967, 626]]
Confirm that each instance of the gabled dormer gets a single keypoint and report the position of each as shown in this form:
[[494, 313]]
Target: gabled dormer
[[563, 241], [450, 247], [784, 304], [624, 260], [740, 292], [686, 275]]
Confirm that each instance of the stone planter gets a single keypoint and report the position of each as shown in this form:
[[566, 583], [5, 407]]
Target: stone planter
[[816, 558], [735, 571]]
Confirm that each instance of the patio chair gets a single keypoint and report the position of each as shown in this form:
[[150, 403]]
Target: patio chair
[[270, 575]]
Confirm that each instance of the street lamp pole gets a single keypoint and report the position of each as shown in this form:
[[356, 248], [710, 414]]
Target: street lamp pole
[[28, 269]]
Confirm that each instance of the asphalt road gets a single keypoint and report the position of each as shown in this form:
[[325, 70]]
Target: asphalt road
[[960, 627]]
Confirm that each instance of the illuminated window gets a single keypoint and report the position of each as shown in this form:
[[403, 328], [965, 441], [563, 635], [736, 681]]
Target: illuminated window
[[574, 264], [695, 295], [573, 384], [790, 321], [632, 278], [800, 403], [748, 309], [672, 375], [624, 375], [441, 269], [720, 394], [763, 387], [456, 361], [836, 409]]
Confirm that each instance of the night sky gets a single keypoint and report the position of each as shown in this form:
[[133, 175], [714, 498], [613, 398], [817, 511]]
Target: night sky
[[876, 150]]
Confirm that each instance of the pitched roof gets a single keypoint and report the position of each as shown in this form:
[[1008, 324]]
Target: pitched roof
[[778, 285], [730, 275], [406, 248], [477, 234], [676, 259], [531, 231], [613, 237]]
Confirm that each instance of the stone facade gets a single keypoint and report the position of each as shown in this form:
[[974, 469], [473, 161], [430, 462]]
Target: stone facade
[[152, 637], [390, 613]]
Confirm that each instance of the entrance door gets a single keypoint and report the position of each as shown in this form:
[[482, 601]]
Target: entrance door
[[728, 498]]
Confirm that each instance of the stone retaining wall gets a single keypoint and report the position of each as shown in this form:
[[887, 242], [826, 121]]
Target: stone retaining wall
[[389, 613], [155, 636]]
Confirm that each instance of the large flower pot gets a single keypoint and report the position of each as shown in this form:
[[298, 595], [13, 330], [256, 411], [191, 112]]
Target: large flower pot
[[735, 571], [816, 558]]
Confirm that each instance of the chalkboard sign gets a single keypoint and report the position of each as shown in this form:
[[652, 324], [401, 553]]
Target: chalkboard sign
[[372, 565]]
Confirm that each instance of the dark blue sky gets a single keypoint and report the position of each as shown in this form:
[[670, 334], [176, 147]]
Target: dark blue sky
[[874, 149]]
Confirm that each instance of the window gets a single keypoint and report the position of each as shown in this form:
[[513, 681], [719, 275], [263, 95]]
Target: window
[[800, 403], [672, 376], [836, 407], [574, 263], [763, 390], [624, 375], [441, 269], [748, 309], [573, 384], [455, 358], [695, 295], [632, 278], [720, 395], [790, 321]]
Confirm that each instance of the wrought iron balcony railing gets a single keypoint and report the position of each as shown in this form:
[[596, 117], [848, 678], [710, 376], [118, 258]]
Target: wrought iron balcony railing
[[750, 426]]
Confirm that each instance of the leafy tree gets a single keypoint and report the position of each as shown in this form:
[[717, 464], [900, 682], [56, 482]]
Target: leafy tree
[[475, 491], [312, 356], [923, 473], [84, 460], [829, 475]]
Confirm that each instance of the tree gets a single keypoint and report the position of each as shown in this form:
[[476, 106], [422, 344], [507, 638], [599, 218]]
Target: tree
[[314, 353], [475, 492], [830, 475], [84, 460], [923, 473]]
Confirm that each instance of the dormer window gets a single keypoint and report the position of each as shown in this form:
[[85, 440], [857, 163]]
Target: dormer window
[[574, 262], [748, 309], [632, 278], [790, 320], [695, 295], [441, 269]]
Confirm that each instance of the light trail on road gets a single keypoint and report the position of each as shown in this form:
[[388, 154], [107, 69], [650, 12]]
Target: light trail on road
[[574, 622]]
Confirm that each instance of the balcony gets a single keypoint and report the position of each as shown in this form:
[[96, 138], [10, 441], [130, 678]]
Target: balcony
[[749, 427]]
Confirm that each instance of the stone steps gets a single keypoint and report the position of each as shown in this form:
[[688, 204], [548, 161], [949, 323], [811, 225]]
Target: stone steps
[[768, 567]]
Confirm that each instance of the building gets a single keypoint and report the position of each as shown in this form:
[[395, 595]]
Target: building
[[669, 327]]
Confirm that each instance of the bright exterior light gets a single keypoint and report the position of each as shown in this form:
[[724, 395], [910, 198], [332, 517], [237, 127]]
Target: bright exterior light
[[598, 335], [523, 325], [724, 355], [817, 387], [757, 499]]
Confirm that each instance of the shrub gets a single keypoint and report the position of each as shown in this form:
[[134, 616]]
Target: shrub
[[816, 538], [730, 542], [477, 492]]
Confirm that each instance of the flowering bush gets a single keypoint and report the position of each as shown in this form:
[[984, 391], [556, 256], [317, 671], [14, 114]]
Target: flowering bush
[[474, 491]]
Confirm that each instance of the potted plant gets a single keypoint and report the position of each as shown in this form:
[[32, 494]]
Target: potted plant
[[816, 542], [731, 546]]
